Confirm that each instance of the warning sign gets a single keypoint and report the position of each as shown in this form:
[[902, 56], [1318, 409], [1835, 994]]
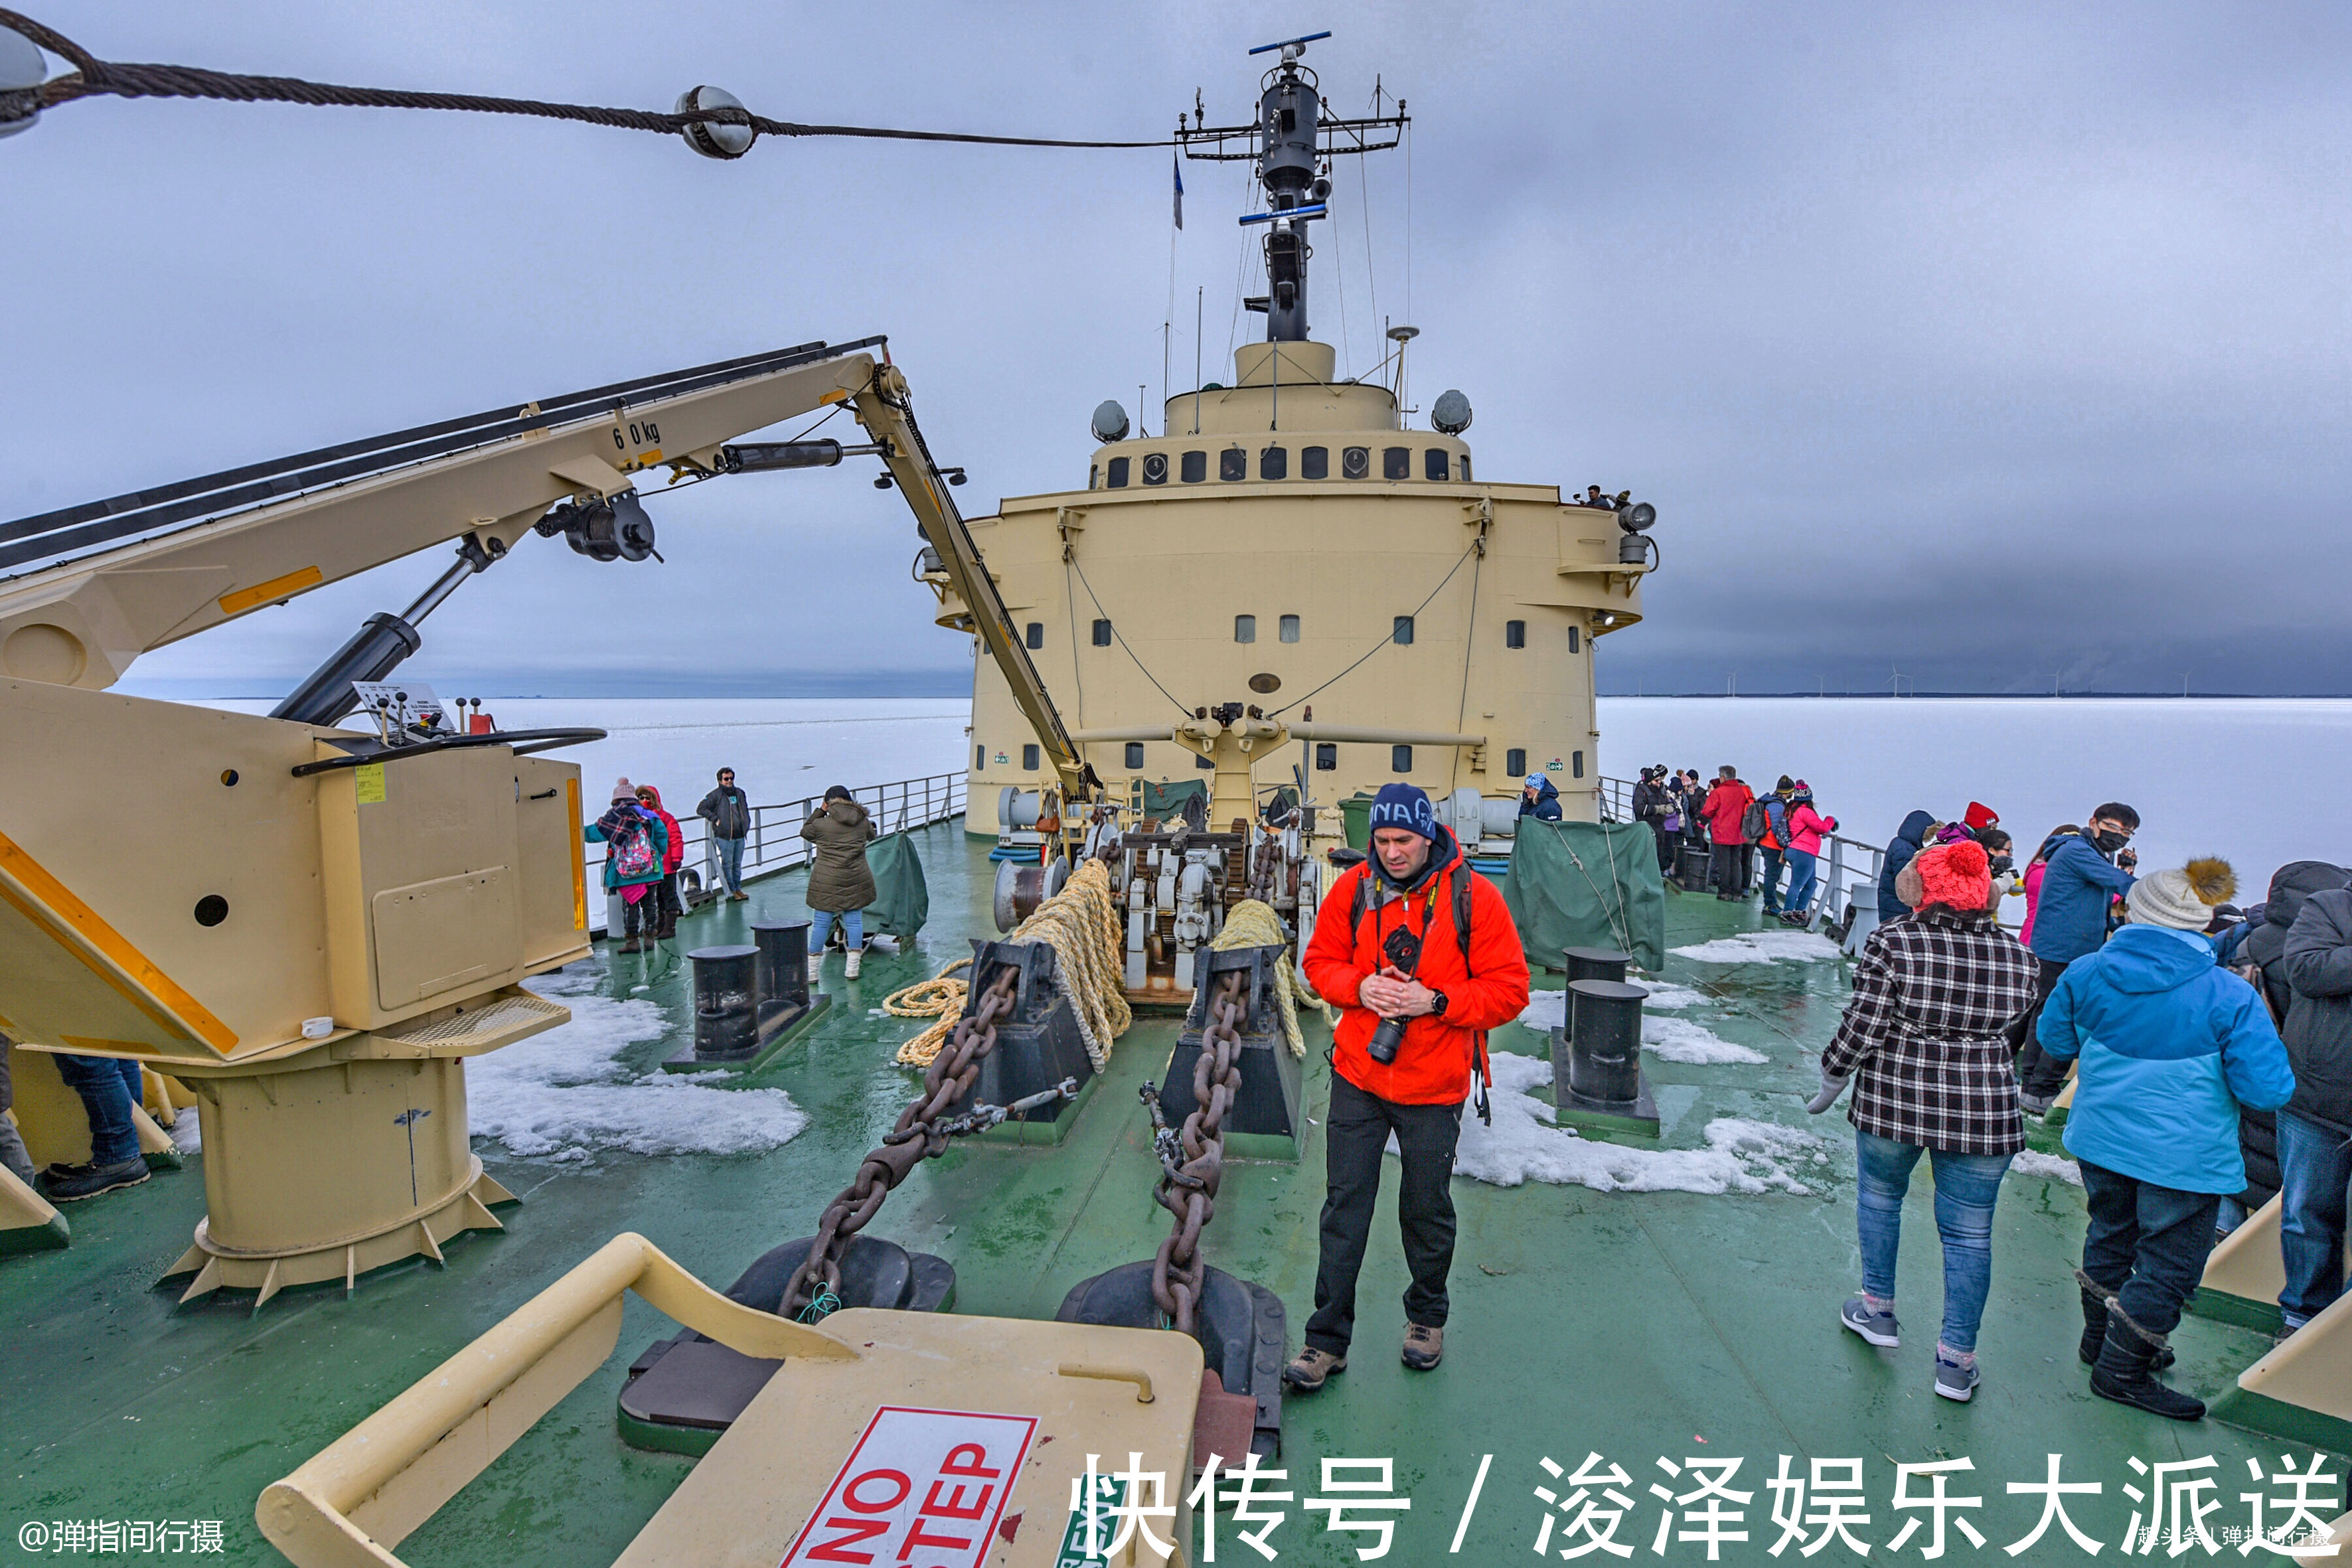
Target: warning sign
[[921, 1487], [368, 779]]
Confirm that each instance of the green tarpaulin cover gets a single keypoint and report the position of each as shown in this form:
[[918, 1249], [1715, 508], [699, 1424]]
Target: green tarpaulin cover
[[902, 900], [1587, 884]]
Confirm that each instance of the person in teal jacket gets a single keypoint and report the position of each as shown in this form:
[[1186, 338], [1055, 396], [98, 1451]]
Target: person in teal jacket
[[639, 891], [2168, 1045]]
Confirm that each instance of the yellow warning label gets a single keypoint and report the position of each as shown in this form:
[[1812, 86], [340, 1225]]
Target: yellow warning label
[[368, 778]]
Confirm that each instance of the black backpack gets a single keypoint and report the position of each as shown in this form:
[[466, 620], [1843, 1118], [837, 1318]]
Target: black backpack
[[1461, 874]]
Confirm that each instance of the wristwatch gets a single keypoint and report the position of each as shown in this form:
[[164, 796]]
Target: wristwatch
[[1437, 1003]]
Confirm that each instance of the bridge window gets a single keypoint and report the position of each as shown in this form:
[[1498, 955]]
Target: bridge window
[[1436, 463], [1233, 463], [1515, 634], [1029, 759], [1274, 463], [1314, 462], [1155, 468], [1102, 634], [978, 758], [1575, 638], [1094, 476], [1356, 463], [1575, 765], [1465, 467], [1196, 467], [1515, 762], [1326, 757], [1135, 753], [1036, 635], [1118, 473], [1288, 629], [1401, 632], [1396, 462], [1245, 629], [1400, 759]]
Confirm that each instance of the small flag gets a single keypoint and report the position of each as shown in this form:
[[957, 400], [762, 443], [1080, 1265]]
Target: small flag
[[1176, 164]]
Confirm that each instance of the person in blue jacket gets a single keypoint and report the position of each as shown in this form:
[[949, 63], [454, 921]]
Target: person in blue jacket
[[1539, 798], [1900, 852], [2080, 879], [2168, 1046]]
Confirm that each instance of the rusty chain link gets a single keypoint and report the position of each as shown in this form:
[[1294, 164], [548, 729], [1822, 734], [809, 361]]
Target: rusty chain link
[[1193, 1162], [918, 1136]]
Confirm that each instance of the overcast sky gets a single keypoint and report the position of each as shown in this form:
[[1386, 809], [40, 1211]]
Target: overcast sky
[[2004, 345]]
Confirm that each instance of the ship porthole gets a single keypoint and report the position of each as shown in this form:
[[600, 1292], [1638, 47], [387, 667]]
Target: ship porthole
[[1266, 684]]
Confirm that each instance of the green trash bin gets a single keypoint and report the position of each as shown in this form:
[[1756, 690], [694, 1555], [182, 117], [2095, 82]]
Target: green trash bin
[[1356, 815]]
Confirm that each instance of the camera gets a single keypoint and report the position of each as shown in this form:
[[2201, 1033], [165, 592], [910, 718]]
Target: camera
[[1402, 949]]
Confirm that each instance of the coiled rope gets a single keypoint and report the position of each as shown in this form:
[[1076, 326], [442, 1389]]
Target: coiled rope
[[93, 76], [1080, 924], [941, 997], [1251, 923]]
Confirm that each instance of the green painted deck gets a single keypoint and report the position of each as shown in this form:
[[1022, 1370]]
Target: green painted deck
[[1636, 1325]]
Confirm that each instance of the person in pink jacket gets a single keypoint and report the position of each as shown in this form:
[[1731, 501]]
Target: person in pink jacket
[[1806, 827]]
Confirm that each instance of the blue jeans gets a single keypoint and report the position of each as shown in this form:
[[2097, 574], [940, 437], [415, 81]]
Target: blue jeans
[[1801, 878], [1967, 1188], [731, 863], [2314, 1169], [2148, 1244], [109, 1088], [1772, 879], [852, 930]]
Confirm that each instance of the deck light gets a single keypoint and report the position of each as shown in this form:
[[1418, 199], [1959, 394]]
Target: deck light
[[1636, 519], [722, 138]]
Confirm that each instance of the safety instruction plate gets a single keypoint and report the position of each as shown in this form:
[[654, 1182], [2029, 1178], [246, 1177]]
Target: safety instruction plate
[[921, 1487], [368, 779]]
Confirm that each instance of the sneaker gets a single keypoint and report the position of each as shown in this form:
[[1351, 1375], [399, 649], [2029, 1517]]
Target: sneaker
[[1425, 1347], [71, 1184], [2036, 1104], [1879, 1329], [1311, 1367], [1953, 1381]]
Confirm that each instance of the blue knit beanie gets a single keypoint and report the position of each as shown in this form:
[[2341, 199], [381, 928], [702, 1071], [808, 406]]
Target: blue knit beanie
[[1405, 806]]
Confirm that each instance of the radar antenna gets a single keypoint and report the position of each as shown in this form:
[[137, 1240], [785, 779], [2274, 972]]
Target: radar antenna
[[1293, 141]]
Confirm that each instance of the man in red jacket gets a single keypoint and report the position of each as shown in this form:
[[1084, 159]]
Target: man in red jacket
[[1389, 945], [1732, 866]]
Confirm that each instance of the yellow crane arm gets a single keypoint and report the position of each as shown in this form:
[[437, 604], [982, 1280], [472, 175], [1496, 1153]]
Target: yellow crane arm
[[97, 586], [885, 409]]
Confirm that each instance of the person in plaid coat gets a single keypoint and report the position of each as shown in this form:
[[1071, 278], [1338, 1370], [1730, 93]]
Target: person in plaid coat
[[1925, 1041]]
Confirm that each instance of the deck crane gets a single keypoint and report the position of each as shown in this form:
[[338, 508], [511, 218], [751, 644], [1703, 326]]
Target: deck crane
[[313, 926]]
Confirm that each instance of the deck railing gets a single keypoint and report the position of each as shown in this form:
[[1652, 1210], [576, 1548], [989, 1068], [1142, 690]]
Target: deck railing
[[775, 843], [1848, 867]]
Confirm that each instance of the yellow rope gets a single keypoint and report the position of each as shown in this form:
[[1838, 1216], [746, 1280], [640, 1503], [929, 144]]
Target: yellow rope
[[1081, 924], [1251, 924], [939, 997]]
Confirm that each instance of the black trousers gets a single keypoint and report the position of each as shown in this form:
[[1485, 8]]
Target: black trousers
[[2147, 1244], [1356, 1136], [1733, 867], [1665, 846], [2038, 1073]]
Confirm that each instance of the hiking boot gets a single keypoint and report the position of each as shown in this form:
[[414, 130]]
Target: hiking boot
[[71, 1184], [2094, 1334], [1311, 1367], [1879, 1329], [1953, 1381], [1425, 1347], [2035, 1104], [2124, 1374], [741, 898]]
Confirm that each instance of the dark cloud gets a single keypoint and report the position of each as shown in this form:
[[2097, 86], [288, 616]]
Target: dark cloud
[[1999, 344]]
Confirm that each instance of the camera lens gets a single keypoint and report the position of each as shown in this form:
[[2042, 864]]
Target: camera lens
[[1385, 1041]]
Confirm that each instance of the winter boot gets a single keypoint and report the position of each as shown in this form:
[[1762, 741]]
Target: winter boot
[[2124, 1375], [849, 970], [2094, 1334]]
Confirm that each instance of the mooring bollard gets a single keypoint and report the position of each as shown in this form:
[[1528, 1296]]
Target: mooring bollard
[[726, 1018], [1591, 963], [780, 978], [1597, 1079]]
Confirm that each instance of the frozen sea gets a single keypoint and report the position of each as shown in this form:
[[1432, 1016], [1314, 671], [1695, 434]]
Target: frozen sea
[[2245, 778]]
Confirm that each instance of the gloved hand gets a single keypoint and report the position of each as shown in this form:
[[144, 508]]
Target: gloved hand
[[1831, 1088]]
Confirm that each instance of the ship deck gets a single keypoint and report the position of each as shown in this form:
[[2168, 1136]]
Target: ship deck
[[1636, 1324]]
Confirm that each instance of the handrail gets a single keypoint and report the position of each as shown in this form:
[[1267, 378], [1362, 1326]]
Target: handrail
[[349, 1505]]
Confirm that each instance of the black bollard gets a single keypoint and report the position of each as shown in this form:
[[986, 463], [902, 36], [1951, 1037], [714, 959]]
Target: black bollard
[[1597, 1074], [1591, 963], [781, 976], [726, 1021]]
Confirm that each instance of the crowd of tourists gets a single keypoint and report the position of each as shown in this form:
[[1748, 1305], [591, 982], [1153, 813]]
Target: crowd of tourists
[[2211, 1053], [1747, 840]]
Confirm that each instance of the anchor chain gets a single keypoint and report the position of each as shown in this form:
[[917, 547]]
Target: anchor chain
[[919, 1135], [1192, 1160]]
